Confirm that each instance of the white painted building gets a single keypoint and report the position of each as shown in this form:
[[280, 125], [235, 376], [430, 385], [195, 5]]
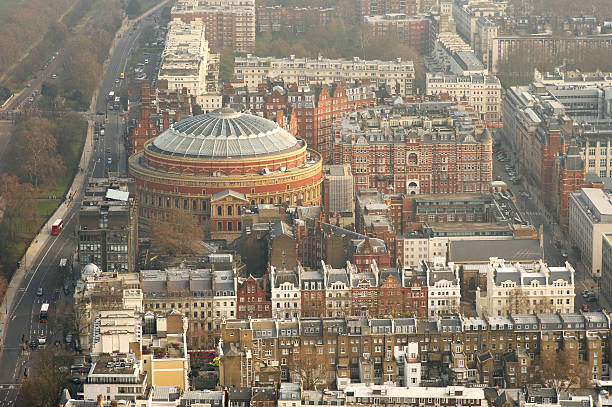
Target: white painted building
[[362, 394], [481, 92], [521, 288], [408, 355], [286, 294], [184, 61], [590, 216], [224, 296], [444, 290], [337, 290], [113, 331], [305, 71], [115, 378]]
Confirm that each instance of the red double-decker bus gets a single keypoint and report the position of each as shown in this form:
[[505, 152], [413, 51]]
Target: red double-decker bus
[[57, 227], [44, 312]]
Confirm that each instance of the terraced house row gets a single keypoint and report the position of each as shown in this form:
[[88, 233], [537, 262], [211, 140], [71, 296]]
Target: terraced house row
[[455, 350]]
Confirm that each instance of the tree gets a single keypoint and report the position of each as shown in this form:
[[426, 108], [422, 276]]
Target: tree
[[17, 203], [70, 131], [49, 89], [32, 152], [45, 379], [517, 301], [3, 286], [561, 369], [5, 93], [133, 8], [310, 369], [177, 236]]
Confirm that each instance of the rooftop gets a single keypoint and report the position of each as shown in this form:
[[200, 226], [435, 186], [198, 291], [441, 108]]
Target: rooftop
[[461, 251], [224, 133]]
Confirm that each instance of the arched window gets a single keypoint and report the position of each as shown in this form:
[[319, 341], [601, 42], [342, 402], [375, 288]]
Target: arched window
[[229, 211]]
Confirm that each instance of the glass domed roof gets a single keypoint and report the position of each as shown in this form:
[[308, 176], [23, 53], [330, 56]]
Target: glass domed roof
[[224, 133]]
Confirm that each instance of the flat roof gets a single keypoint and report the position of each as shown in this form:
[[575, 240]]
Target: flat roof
[[527, 250], [599, 199]]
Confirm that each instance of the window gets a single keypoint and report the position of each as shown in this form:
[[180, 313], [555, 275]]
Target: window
[[219, 225], [229, 211], [219, 210]]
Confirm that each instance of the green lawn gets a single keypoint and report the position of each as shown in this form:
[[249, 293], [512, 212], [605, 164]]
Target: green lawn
[[46, 208], [57, 190], [7, 6]]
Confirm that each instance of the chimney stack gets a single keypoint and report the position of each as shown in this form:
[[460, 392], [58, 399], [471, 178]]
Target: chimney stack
[[166, 121]]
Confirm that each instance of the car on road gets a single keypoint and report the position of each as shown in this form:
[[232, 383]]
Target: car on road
[[76, 380], [585, 307], [586, 294], [54, 76], [42, 340], [116, 80], [39, 292], [68, 339], [77, 366], [33, 345], [109, 160]]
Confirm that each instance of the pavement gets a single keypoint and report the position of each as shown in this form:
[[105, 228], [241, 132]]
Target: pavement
[[19, 312], [538, 214]]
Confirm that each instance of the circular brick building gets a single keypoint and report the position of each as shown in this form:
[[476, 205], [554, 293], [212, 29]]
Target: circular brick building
[[217, 164]]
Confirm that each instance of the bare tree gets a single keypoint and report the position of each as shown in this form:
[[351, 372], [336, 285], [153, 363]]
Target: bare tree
[[310, 368], [45, 378], [561, 370], [17, 202], [181, 235], [517, 301]]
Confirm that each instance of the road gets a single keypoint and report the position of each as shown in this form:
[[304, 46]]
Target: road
[[538, 215], [42, 271], [45, 74]]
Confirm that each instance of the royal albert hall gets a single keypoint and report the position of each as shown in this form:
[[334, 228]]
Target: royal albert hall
[[201, 159]]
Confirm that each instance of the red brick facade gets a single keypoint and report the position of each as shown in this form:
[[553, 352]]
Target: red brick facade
[[253, 301], [415, 297], [314, 111], [418, 165], [294, 19], [379, 7]]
